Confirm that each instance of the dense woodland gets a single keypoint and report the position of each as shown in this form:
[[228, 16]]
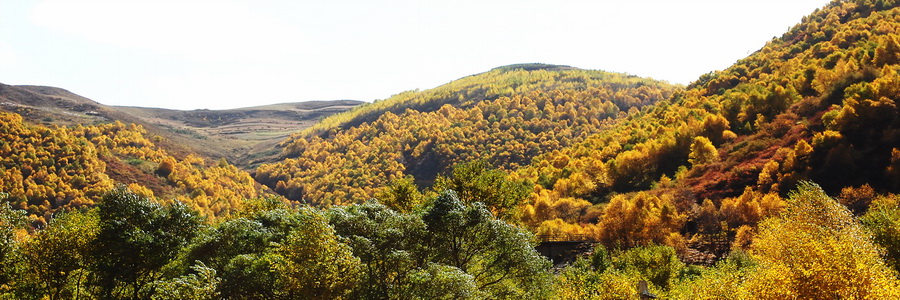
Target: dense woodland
[[506, 116], [817, 104], [47, 168], [776, 178]]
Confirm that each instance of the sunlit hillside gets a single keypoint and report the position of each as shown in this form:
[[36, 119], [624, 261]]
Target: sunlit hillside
[[816, 104], [505, 116], [46, 168]]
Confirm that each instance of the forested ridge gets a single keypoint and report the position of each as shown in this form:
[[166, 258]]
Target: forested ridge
[[816, 104], [776, 178], [505, 116]]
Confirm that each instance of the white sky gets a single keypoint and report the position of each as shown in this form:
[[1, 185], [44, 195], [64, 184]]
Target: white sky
[[216, 54]]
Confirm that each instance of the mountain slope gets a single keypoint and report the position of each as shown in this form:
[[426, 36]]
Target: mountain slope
[[61, 150], [505, 116], [463, 91], [817, 104], [43, 169], [49, 105], [243, 136]]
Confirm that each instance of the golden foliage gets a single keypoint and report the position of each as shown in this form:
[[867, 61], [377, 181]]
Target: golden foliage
[[42, 169], [641, 219], [816, 250], [702, 151], [814, 104], [215, 190], [45, 168], [749, 209], [506, 117]]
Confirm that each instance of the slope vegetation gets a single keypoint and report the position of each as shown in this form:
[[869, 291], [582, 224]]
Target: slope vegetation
[[505, 116], [700, 193], [60, 150], [45, 168], [819, 103]]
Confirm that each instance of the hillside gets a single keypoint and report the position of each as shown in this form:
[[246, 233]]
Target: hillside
[[698, 170], [243, 136], [817, 104], [44, 169], [505, 116], [464, 91], [62, 150], [777, 178], [49, 105]]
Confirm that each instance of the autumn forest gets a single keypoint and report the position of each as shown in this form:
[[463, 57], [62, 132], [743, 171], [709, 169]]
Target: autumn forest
[[776, 178]]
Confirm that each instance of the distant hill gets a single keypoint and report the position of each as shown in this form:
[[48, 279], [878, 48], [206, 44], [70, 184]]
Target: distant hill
[[50, 105], [502, 81], [244, 136], [59, 149]]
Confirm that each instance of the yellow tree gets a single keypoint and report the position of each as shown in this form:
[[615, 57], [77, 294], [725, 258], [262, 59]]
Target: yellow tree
[[702, 151], [313, 262], [816, 250], [641, 219], [56, 257]]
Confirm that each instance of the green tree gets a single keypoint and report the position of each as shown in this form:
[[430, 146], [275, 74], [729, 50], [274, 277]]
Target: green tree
[[657, 264], [883, 220], [11, 220], [449, 250], [58, 256], [276, 254], [437, 281], [242, 251], [477, 181], [388, 243], [137, 238], [581, 281], [201, 285], [499, 256], [314, 264], [251, 276], [600, 259], [216, 246]]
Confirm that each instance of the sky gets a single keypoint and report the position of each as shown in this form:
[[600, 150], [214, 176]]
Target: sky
[[219, 54]]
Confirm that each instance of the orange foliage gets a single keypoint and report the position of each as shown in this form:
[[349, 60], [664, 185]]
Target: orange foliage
[[641, 219], [749, 208]]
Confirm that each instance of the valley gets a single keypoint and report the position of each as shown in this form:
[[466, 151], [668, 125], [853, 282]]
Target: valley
[[775, 178]]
